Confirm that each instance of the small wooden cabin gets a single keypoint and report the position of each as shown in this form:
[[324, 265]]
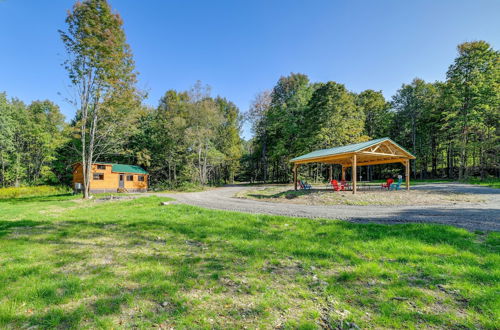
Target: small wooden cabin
[[108, 177]]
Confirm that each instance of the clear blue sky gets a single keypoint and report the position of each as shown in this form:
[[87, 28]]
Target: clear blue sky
[[243, 47]]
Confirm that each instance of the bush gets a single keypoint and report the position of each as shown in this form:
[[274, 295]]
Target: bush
[[35, 191]]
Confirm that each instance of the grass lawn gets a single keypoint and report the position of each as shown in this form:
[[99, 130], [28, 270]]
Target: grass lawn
[[66, 263], [492, 183], [321, 196]]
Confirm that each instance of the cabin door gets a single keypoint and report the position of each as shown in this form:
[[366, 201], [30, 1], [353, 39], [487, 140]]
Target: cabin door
[[121, 182]]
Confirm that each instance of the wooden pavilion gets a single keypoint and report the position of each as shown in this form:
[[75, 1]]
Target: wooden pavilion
[[379, 151]]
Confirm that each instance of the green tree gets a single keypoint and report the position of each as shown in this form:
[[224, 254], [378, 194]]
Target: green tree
[[378, 117], [101, 69], [228, 140], [413, 103], [474, 86], [285, 121], [332, 117], [257, 115], [6, 135]]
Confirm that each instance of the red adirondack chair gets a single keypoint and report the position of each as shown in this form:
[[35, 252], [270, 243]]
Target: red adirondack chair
[[345, 184], [387, 184], [336, 186]]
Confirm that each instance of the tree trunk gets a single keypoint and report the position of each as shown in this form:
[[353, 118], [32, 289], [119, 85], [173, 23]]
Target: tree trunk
[[18, 160], [264, 161], [433, 158], [3, 169]]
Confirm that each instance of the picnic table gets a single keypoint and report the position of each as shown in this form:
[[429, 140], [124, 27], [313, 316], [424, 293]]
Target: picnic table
[[362, 185], [368, 185]]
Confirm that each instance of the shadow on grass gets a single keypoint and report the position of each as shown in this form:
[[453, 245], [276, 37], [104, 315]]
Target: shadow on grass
[[7, 226]]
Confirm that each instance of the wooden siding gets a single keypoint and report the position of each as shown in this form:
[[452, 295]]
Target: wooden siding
[[111, 179]]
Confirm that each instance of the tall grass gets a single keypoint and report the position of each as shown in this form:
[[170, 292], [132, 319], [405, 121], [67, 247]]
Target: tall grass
[[35, 191]]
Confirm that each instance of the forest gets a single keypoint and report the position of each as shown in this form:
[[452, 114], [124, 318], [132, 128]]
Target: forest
[[452, 127], [194, 138]]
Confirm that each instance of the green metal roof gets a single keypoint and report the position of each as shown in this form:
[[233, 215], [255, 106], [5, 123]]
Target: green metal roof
[[122, 168], [344, 149]]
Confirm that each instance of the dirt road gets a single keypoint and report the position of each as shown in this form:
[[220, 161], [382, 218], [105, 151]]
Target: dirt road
[[480, 216]]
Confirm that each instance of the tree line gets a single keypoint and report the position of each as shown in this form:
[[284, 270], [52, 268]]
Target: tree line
[[191, 137], [452, 127]]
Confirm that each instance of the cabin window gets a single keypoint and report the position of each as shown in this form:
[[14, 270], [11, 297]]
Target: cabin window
[[140, 178], [130, 178], [101, 167], [98, 176]]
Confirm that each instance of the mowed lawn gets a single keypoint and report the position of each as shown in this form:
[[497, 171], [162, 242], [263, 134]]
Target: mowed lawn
[[71, 264]]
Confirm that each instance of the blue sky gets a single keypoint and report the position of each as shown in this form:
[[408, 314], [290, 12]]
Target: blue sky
[[243, 47]]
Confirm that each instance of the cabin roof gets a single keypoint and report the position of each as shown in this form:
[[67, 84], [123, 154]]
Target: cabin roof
[[125, 168], [350, 148]]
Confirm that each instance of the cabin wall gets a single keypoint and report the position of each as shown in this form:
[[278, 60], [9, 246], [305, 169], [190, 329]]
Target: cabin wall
[[111, 180], [135, 184]]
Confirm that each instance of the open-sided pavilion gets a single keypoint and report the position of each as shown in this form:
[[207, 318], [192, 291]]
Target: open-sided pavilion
[[379, 151]]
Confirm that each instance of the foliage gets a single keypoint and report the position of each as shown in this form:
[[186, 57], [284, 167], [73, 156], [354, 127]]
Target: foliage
[[473, 115], [452, 127], [68, 264], [190, 137], [29, 138], [378, 118], [101, 69], [332, 118]]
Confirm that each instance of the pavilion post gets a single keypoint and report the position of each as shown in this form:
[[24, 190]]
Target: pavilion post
[[354, 174], [407, 174], [330, 173], [295, 176], [343, 173]]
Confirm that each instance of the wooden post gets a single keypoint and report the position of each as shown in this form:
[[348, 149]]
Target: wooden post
[[295, 176], [330, 173], [354, 174], [407, 176], [343, 173]]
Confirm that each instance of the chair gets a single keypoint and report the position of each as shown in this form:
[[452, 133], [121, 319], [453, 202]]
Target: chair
[[397, 185], [304, 185], [336, 186], [387, 184], [345, 184]]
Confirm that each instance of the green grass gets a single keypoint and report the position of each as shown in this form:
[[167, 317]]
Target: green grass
[[13, 192], [68, 263], [492, 183]]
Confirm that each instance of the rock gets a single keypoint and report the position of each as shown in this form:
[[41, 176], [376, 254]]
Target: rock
[[164, 304], [399, 298], [165, 203]]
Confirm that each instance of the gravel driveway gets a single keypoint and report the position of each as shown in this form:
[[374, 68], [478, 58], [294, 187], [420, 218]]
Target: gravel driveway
[[483, 216]]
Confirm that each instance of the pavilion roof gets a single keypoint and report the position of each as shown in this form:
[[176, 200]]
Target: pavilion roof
[[369, 150]]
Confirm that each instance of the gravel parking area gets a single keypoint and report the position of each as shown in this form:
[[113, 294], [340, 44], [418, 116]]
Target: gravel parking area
[[483, 216]]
